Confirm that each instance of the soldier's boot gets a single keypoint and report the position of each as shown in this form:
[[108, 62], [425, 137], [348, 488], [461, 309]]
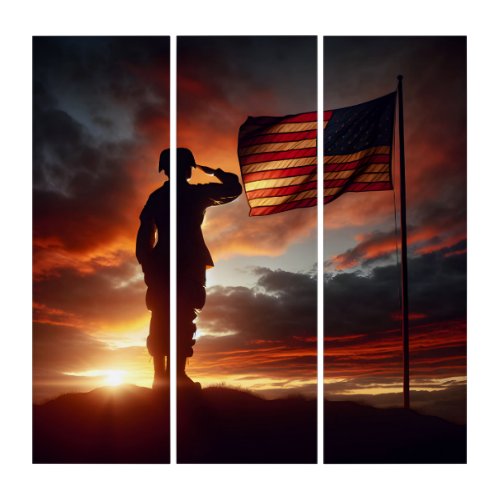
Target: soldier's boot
[[183, 381]]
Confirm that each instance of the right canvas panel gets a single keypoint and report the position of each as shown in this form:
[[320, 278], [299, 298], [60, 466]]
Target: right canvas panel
[[395, 303]]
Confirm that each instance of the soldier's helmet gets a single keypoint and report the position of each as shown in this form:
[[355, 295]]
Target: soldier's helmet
[[185, 161]]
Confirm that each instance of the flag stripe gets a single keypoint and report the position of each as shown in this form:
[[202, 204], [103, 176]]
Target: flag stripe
[[271, 183], [309, 202], [358, 155], [347, 174], [280, 173], [362, 186], [262, 135], [281, 155], [360, 179], [270, 138], [301, 117], [278, 128], [278, 165], [369, 186], [263, 121], [349, 165], [277, 146], [281, 191], [267, 170], [279, 200], [343, 174]]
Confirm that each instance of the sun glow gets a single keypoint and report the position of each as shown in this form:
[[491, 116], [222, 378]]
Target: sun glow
[[114, 377], [111, 378]]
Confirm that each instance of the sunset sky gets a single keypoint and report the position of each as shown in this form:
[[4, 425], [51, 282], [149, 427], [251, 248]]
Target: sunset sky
[[101, 117]]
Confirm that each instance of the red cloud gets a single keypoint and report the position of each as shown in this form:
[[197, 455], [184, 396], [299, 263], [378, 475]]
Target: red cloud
[[437, 351], [430, 237], [52, 316]]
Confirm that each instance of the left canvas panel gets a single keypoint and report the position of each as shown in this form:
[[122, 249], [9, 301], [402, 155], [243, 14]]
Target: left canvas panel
[[100, 121]]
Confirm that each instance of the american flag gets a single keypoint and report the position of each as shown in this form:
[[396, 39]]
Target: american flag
[[278, 155]]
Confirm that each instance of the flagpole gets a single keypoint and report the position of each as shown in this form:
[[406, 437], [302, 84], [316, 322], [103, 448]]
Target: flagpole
[[321, 257], [404, 251]]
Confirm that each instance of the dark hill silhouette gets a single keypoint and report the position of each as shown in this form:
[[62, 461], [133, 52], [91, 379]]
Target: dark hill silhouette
[[131, 425], [231, 426], [356, 433], [220, 425], [107, 425]]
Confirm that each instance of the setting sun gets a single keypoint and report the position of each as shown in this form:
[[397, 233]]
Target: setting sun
[[114, 377]]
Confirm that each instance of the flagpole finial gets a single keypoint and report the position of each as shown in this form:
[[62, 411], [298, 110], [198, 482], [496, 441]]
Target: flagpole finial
[[400, 78]]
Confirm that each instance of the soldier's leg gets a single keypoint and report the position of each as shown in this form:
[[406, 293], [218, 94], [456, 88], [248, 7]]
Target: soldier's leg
[[158, 345], [191, 298], [157, 278], [185, 333]]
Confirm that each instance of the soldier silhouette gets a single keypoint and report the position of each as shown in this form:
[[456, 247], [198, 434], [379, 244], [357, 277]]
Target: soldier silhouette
[[193, 258]]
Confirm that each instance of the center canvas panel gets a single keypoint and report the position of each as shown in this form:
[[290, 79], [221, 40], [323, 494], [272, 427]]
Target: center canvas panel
[[246, 246]]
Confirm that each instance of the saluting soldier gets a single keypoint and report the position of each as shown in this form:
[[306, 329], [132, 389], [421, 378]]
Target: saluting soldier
[[193, 257]]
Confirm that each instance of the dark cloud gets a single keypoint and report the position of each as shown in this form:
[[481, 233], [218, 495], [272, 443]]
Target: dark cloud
[[269, 332], [363, 332], [438, 283], [100, 110], [283, 304], [247, 75], [270, 329], [104, 70], [282, 307], [76, 176], [110, 295], [357, 301]]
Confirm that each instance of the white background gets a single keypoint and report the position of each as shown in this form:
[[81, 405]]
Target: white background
[[19, 23]]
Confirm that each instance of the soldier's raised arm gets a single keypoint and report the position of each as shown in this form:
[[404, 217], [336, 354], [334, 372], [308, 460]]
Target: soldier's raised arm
[[229, 189]]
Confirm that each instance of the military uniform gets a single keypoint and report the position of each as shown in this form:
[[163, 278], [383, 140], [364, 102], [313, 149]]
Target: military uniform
[[193, 258]]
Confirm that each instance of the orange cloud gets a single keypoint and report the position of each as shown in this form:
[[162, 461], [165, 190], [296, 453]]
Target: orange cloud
[[52, 316], [50, 257], [422, 240], [279, 361]]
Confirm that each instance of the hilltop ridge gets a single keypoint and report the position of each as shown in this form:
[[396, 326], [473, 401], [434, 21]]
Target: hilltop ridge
[[221, 425]]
